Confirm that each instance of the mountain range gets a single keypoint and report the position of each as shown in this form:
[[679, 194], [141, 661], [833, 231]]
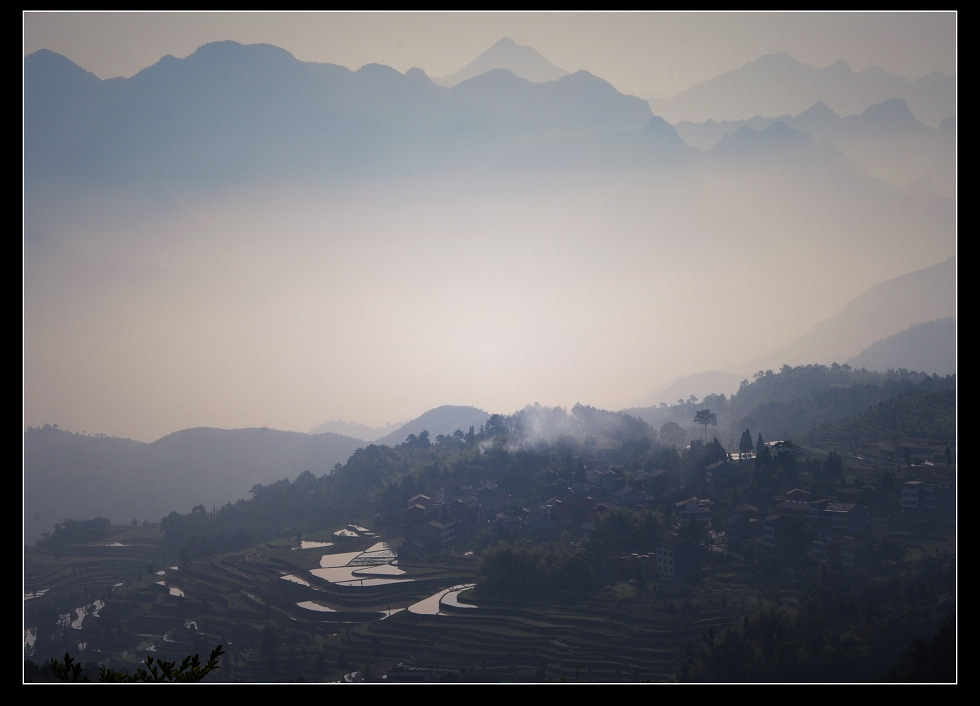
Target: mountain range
[[228, 110], [76, 476], [773, 85], [885, 139], [778, 84], [585, 207]]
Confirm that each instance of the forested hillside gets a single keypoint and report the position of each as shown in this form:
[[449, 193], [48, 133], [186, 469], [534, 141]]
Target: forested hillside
[[600, 607], [795, 401], [869, 419]]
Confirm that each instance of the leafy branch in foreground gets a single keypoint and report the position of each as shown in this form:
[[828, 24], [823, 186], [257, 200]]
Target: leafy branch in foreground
[[190, 670]]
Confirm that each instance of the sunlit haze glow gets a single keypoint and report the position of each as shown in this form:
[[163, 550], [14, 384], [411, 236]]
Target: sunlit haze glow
[[288, 304]]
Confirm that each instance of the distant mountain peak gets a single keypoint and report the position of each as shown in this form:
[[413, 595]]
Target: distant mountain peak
[[523, 61], [778, 84], [779, 57], [230, 47], [775, 137], [818, 110], [505, 43], [893, 108], [55, 67], [226, 58]]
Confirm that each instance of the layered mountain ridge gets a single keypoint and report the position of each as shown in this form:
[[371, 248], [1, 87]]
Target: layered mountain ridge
[[338, 212]]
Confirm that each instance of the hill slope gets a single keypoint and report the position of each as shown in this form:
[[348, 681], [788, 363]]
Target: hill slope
[[886, 309], [929, 347], [439, 421], [74, 476]]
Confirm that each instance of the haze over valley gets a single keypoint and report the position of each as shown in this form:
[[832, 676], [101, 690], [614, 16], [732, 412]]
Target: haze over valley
[[490, 346], [242, 239]]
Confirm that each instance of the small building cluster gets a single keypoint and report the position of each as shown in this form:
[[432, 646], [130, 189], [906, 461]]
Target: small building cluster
[[795, 527]]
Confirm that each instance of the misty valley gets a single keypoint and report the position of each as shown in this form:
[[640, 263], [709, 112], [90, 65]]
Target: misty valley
[[555, 545], [365, 245], [688, 366]]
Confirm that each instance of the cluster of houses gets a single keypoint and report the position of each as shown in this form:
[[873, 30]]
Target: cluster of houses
[[923, 498], [795, 527]]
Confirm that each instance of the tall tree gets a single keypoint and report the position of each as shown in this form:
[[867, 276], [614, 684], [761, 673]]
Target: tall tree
[[745, 444], [704, 417]]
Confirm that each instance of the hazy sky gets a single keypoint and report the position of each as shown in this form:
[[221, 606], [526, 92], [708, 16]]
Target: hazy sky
[[287, 309], [646, 54]]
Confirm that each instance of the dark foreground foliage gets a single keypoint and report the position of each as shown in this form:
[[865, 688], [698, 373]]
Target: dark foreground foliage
[[190, 670]]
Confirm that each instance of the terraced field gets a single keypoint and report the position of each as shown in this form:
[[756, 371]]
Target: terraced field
[[258, 606]]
